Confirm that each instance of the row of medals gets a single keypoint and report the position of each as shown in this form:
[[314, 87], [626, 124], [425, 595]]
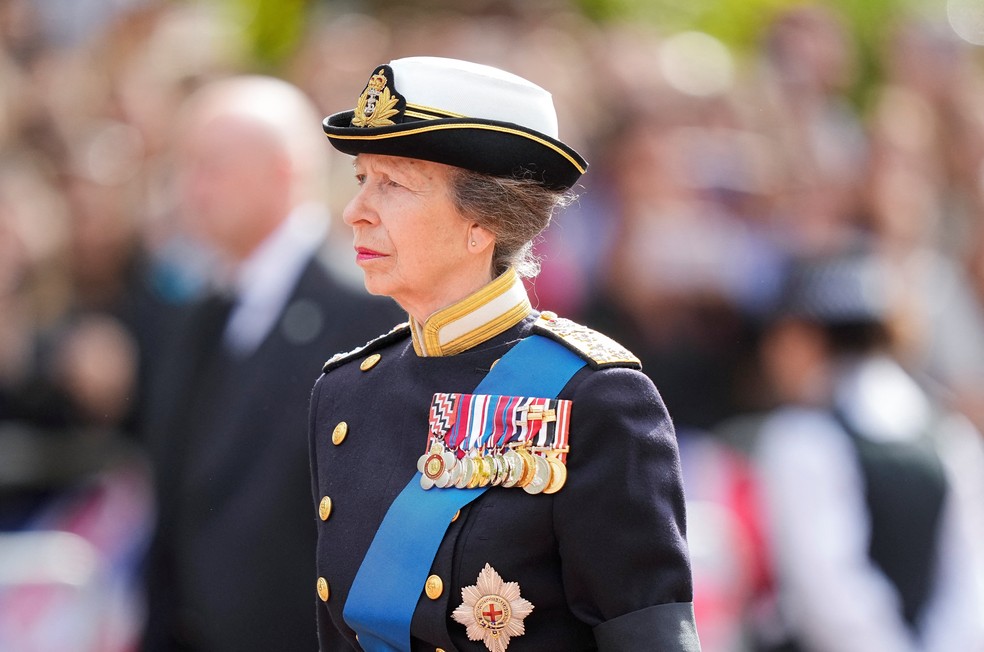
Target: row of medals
[[519, 465]]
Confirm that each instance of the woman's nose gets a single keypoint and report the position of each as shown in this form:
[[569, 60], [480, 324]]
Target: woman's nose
[[359, 210]]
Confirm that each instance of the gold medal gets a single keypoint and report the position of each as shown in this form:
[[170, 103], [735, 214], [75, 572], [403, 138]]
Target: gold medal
[[467, 470], [514, 468], [488, 468], [494, 469], [558, 476], [500, 470], [529, 468], [477, 473], [485, 476], [434, 466], [541, 476]]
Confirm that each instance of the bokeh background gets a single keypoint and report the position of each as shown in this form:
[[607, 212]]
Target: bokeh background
[[726, 138]]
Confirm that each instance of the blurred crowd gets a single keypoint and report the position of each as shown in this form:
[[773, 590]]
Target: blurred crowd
[[714, 174]]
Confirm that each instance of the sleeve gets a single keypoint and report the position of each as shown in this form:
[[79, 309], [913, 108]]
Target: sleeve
[[620, 519], [954, 617]]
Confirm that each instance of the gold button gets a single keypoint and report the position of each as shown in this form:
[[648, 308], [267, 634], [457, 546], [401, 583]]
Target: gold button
[[456, 515], [440, 649], [370, 362], [548, 315], [338, 434], [323, 592], [324, 509], [434, 587]]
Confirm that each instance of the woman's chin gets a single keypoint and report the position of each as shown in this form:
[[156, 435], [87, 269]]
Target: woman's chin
[[375, 285]]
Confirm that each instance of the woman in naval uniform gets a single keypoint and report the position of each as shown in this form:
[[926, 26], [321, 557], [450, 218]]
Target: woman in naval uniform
[[485, 476]]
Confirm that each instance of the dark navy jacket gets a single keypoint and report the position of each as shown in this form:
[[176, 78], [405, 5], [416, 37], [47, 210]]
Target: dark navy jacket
[[604, 560]]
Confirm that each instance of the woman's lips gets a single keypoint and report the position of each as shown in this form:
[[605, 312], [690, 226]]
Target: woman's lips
[[365, 253]]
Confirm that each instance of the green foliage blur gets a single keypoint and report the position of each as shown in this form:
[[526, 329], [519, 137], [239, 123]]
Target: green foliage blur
[[740, 23], [273, 28]]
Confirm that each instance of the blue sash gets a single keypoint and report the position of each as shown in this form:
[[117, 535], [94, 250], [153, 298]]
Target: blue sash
[[388, 585]]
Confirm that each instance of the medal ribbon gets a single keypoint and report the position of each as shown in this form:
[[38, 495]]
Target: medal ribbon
[[391, 578], [492, 422], [443, 414], [476, 421], [562, 433], [504, 420]]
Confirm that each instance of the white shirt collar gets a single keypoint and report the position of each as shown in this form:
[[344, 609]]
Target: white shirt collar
[[881, 400], [265, 280]]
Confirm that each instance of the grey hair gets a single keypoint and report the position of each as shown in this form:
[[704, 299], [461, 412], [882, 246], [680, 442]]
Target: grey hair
[[516, 210]]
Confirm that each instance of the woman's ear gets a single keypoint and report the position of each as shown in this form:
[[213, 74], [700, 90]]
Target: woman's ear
[[479, 239]]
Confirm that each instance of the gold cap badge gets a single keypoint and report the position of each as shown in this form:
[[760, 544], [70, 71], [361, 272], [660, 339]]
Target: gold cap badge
[[377, 104], [492, 611]]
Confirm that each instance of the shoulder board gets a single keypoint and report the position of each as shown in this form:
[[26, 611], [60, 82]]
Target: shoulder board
[[599, 350], [398, 332]]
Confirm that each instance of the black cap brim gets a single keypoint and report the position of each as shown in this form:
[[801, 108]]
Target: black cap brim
[[500, 149]]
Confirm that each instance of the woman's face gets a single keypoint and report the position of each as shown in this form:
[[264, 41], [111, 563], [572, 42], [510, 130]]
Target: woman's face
[[410, 240]]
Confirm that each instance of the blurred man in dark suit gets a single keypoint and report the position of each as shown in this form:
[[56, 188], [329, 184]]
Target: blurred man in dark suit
[[231, 563]]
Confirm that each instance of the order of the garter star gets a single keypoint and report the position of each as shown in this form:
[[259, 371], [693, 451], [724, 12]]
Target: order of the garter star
[[492, 611]]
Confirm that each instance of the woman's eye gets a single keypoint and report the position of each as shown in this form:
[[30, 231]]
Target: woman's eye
[[360, 179]]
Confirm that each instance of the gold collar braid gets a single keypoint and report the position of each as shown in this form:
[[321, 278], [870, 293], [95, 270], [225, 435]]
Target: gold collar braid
[[495, 308]]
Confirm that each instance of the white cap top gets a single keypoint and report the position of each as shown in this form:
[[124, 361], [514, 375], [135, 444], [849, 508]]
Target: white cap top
[[475, 91]]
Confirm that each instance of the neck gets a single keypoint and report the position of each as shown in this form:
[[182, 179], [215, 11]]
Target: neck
[[475, 318], [471, 274], [450, 294]]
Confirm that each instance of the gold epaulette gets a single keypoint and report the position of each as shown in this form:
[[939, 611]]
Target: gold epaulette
[[599, 350], [397, 332]]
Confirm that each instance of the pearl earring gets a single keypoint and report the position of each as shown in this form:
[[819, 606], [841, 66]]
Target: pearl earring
[[473, 243]]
